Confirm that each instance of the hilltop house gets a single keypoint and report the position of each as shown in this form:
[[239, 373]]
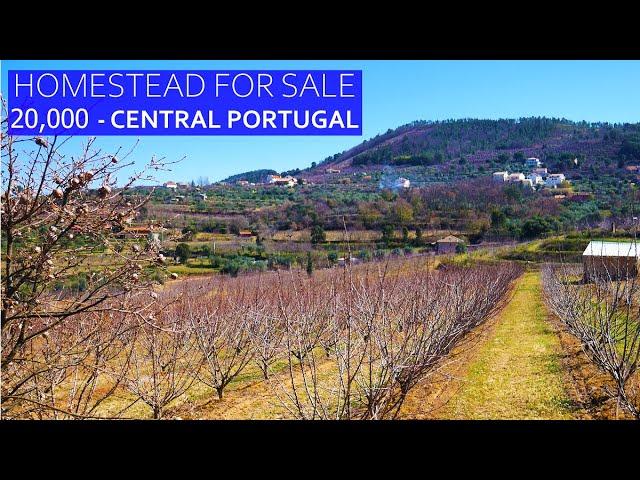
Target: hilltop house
[[533, 162], [448, 244], [171, 185], [610, 260], [535, 179], [332, 170], [500, 176], [527, 182], [288, 181], [554, 180], [242, 183], [542, 171]]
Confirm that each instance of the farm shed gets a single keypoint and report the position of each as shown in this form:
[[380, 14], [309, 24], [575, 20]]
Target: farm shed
[[610, 260], [448, 244]]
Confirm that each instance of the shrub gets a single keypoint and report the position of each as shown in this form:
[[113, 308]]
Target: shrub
[[183, 252], [318, 235], [364, 255]]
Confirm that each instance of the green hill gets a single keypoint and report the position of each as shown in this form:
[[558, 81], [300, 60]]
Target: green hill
[[254, 176]]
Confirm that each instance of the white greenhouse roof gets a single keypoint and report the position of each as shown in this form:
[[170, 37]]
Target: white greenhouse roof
[[612, 249]]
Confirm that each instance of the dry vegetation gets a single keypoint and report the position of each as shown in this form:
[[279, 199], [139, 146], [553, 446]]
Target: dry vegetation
[[604, 316], [337, 345], [515, 372]]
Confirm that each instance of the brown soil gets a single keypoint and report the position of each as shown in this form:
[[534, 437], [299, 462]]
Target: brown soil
[[584, 382]]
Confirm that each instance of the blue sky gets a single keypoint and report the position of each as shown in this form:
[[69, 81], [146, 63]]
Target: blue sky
[[394, 93]]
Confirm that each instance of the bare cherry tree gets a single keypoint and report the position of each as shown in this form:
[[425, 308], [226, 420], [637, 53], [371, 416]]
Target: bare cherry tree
[[164, 360], [72, 370], [391, 325], [61, 253], [221, 330], [306, 312], [266, 334], [603, 313]]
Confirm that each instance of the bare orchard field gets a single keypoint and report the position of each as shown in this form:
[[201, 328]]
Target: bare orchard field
[[511, 369], [344, 344]]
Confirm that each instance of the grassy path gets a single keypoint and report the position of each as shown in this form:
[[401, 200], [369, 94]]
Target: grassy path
[[516, 374]]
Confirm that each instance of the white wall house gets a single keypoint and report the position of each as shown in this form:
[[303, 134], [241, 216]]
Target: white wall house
[[542, 171], [533, 162], [171, 185], [516, 177], [535, 179], [278, 180], [500, 176], [554, 180]]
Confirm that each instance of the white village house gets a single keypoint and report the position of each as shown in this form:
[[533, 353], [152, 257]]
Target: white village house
[[171, 185], [527, 182], [533, 162], [278, 180], [500, 176], [536, 179], [554, 180]]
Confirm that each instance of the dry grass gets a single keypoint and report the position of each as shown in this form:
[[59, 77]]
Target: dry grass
[[514, 371], [248, 397]]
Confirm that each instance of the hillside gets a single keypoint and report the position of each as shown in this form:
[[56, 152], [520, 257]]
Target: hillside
[[254, 176], [450, 150]]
